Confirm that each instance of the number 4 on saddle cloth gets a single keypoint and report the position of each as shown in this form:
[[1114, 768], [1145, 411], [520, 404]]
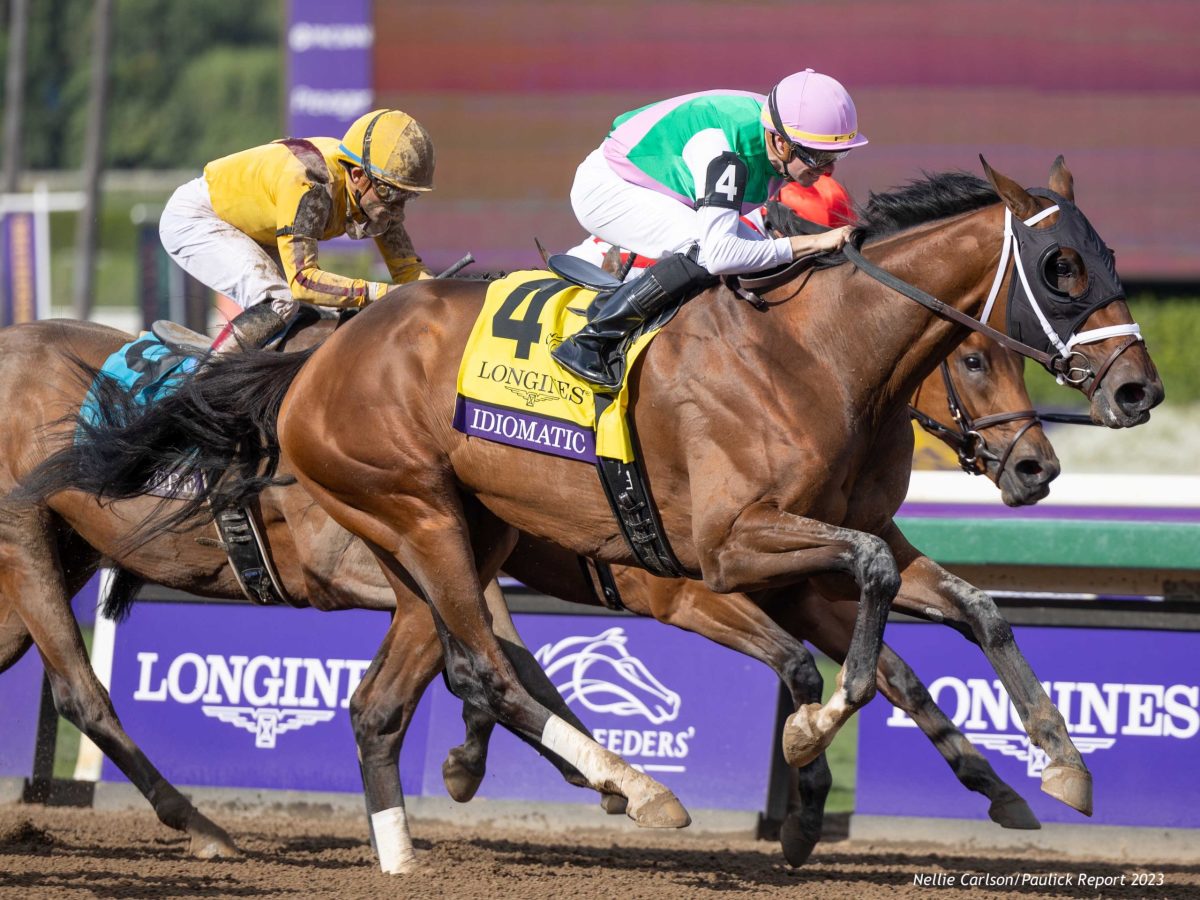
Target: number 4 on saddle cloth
[[510, 390], [144, 371]]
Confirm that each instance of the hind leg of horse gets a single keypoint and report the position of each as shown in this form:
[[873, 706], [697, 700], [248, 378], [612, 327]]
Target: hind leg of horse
[[15, 639], [380, 711], [430, 549], [32, 580], [767, 546], [465, 765], [933, 593]]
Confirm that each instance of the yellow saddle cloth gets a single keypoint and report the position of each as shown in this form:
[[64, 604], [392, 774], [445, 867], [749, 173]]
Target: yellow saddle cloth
[[511, 390]]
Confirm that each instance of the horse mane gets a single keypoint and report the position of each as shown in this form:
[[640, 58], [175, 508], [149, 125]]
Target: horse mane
[[926, 199]]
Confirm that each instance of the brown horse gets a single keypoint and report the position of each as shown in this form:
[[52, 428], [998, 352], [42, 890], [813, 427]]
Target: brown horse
[[979, 382], [757, 449], [58, 545]]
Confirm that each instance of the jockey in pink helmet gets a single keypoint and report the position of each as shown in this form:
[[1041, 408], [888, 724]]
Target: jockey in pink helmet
[[671, 181]]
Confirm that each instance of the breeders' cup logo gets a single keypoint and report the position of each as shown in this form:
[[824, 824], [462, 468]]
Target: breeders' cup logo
[[1096, 714], [602, 675], [264, 695]]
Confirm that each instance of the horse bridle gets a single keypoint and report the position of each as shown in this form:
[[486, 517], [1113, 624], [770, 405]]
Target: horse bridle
[[968, 441], [1060, 365]]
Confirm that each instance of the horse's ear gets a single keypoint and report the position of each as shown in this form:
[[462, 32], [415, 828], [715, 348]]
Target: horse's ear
[[1062, 182], [1014, 196]]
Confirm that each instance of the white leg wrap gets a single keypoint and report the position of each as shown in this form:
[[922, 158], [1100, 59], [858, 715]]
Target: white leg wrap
[[393, 841], [602, 768]]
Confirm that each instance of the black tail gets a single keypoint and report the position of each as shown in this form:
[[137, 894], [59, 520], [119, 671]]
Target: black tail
[[219, 426], [122, 591]]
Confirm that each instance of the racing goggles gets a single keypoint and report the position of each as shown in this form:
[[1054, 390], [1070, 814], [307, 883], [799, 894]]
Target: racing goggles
[[389, 194], [816, 159]]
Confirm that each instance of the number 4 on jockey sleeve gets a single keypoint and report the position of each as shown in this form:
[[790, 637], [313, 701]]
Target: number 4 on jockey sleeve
[[725, 183]]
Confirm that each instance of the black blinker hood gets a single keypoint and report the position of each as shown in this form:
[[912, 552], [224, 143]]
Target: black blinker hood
[[1034, 247]]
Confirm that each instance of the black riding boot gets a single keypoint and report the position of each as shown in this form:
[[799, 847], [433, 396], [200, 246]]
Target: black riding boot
[[613, 317], [253, 328]]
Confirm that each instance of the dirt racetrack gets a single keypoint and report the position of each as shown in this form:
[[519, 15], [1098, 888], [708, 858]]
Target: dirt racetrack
[[66, 853]]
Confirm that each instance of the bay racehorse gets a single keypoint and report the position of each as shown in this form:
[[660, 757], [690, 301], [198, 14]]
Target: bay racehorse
[[58, 545], [977, 393], [754, 446]]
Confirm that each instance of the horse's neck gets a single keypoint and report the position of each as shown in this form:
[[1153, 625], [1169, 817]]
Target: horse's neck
[[889, 341]]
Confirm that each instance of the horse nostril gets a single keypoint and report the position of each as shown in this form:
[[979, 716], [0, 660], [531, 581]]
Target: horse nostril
[[1131, 396], [1032, 471]]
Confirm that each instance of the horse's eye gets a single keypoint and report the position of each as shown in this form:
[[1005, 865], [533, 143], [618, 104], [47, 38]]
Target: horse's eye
[[973, 362], [1055, 269]]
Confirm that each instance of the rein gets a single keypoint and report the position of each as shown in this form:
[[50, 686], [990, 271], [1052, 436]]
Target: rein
[[1059, 365], [1056, 364]]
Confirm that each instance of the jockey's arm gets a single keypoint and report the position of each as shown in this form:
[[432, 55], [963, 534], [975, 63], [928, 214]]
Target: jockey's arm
[[397, 250], [720, 186], [300, 225]]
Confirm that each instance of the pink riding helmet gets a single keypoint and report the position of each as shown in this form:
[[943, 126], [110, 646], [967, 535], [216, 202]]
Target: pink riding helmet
[[815, 111]]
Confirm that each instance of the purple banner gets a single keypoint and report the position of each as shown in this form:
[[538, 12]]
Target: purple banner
[[20, 700], [330, 47], [1130, 700], [237, 696], [695, 716], [526, 430], [241, 696], [18, 269]]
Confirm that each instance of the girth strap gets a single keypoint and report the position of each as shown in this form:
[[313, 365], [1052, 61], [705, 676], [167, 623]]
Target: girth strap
[[246, 548], [629, 497]]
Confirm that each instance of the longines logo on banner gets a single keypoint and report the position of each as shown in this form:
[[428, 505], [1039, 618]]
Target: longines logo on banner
[[601, 674], [265, 695], [1096, 714]]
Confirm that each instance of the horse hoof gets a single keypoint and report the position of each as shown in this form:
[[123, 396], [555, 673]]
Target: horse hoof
[[661, 811], [613, 804], [802, 739], [461, 782], [1072, 786], [797, 843], [209, 840], [1013, 812]]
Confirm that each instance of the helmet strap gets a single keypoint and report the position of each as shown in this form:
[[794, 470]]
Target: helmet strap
[[777, 121], [366, 153]]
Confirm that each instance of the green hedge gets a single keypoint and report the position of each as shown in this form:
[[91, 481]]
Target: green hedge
[[1171, 327]]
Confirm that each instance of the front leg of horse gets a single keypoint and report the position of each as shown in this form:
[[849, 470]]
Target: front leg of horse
[[828, 626], [905, 691], [766, 547], [933, 593]]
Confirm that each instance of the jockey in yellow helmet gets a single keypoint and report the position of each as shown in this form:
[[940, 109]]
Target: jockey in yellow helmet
[[250, 225]]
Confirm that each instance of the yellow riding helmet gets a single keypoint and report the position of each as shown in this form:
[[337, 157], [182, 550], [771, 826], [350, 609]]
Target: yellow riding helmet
[[392, 147]]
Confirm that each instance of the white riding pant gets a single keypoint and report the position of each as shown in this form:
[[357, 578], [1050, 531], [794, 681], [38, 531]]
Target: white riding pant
[[636, 218], [218, 255]]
